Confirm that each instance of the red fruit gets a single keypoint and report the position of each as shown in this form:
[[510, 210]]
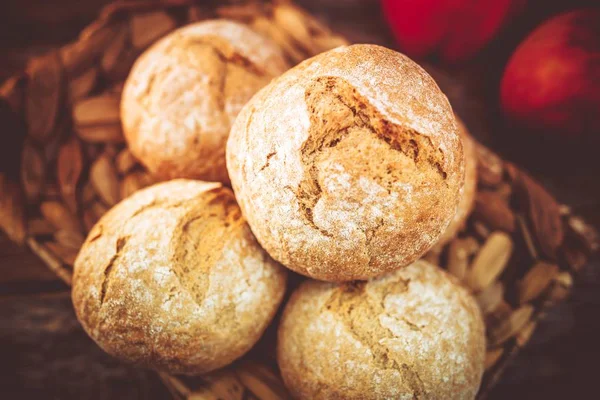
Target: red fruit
[[552, 81], [453, 29]]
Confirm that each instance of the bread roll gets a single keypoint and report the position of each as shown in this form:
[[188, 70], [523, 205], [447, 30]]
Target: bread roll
[[171, 278], [412, 334], [469, 190], [348, 165], [184, 92]]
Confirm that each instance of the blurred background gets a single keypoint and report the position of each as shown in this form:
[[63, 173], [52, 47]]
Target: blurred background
[[523, 74]]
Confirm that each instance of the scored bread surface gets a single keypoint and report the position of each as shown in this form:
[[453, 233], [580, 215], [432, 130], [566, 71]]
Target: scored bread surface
[[185, 91], [172, 278], [414, 333], [348, 165]]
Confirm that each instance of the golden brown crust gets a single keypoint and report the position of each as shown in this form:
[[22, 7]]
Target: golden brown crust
[[414, 333], [469, 190], [183, 94], [349, 165], [171, 278]]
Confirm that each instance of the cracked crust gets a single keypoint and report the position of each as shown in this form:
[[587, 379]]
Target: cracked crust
[[183, 94], [172, 279], [349, 165], [412, 334], [469, 189]]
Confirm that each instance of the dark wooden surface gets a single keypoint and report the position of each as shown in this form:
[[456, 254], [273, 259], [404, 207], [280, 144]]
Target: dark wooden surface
[[561, 359]]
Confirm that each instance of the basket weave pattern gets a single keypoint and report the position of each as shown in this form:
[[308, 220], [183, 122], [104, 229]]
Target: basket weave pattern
[[518, 251]]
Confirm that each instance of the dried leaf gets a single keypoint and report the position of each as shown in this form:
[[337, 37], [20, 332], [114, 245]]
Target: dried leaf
[[69, 239], [119, 59], [290, 20], [98, 209], [59, 216], [195, 14], [97, 111], [243, 11], [458, 258], [542, 210], [51, 191], [82, 54], [223, 384], [492, 357], [66, 255], [101, 134], [33, 171], [39, 227], [316, 27], [494, 211], [12, 213], [125, 161], [176, 387], [150, 26], [266, 27], [202, 393], [88, 193], [586, 234], [261, 381], [13, 91], [116, 88], [510, 326], [498, 314], [481, 230], [93, 213], [13, 134], [111, 150], [526, 234], [471, 245], [105, 180], [83, 84], [89, 218], [44, 93], [327, 42], [526, 333], [53, 143], [537, 279], [504, 190], [490, 298], [490, 261], [133, 182], [561, 287], [565, 210], [573, 257], [115, 50], [489, 167], [496, 318], [70, 167]]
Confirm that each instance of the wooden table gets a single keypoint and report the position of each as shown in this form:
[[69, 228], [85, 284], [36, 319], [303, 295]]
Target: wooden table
[[561, 358]]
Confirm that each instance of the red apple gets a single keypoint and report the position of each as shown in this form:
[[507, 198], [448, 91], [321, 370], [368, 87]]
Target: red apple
[[453, 29], [552, 81]]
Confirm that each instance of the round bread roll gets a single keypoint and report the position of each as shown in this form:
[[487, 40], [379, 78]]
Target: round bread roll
[[348, 165], [185, 91], [412, 334], [469, 189], [171, 278]]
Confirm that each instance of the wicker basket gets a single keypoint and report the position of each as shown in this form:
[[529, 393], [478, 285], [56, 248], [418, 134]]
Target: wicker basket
[[518, 252]]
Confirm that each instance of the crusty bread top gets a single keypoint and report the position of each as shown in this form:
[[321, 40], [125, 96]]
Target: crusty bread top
[[172, 278], [347, 165], [184, 92], [414, 333]]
